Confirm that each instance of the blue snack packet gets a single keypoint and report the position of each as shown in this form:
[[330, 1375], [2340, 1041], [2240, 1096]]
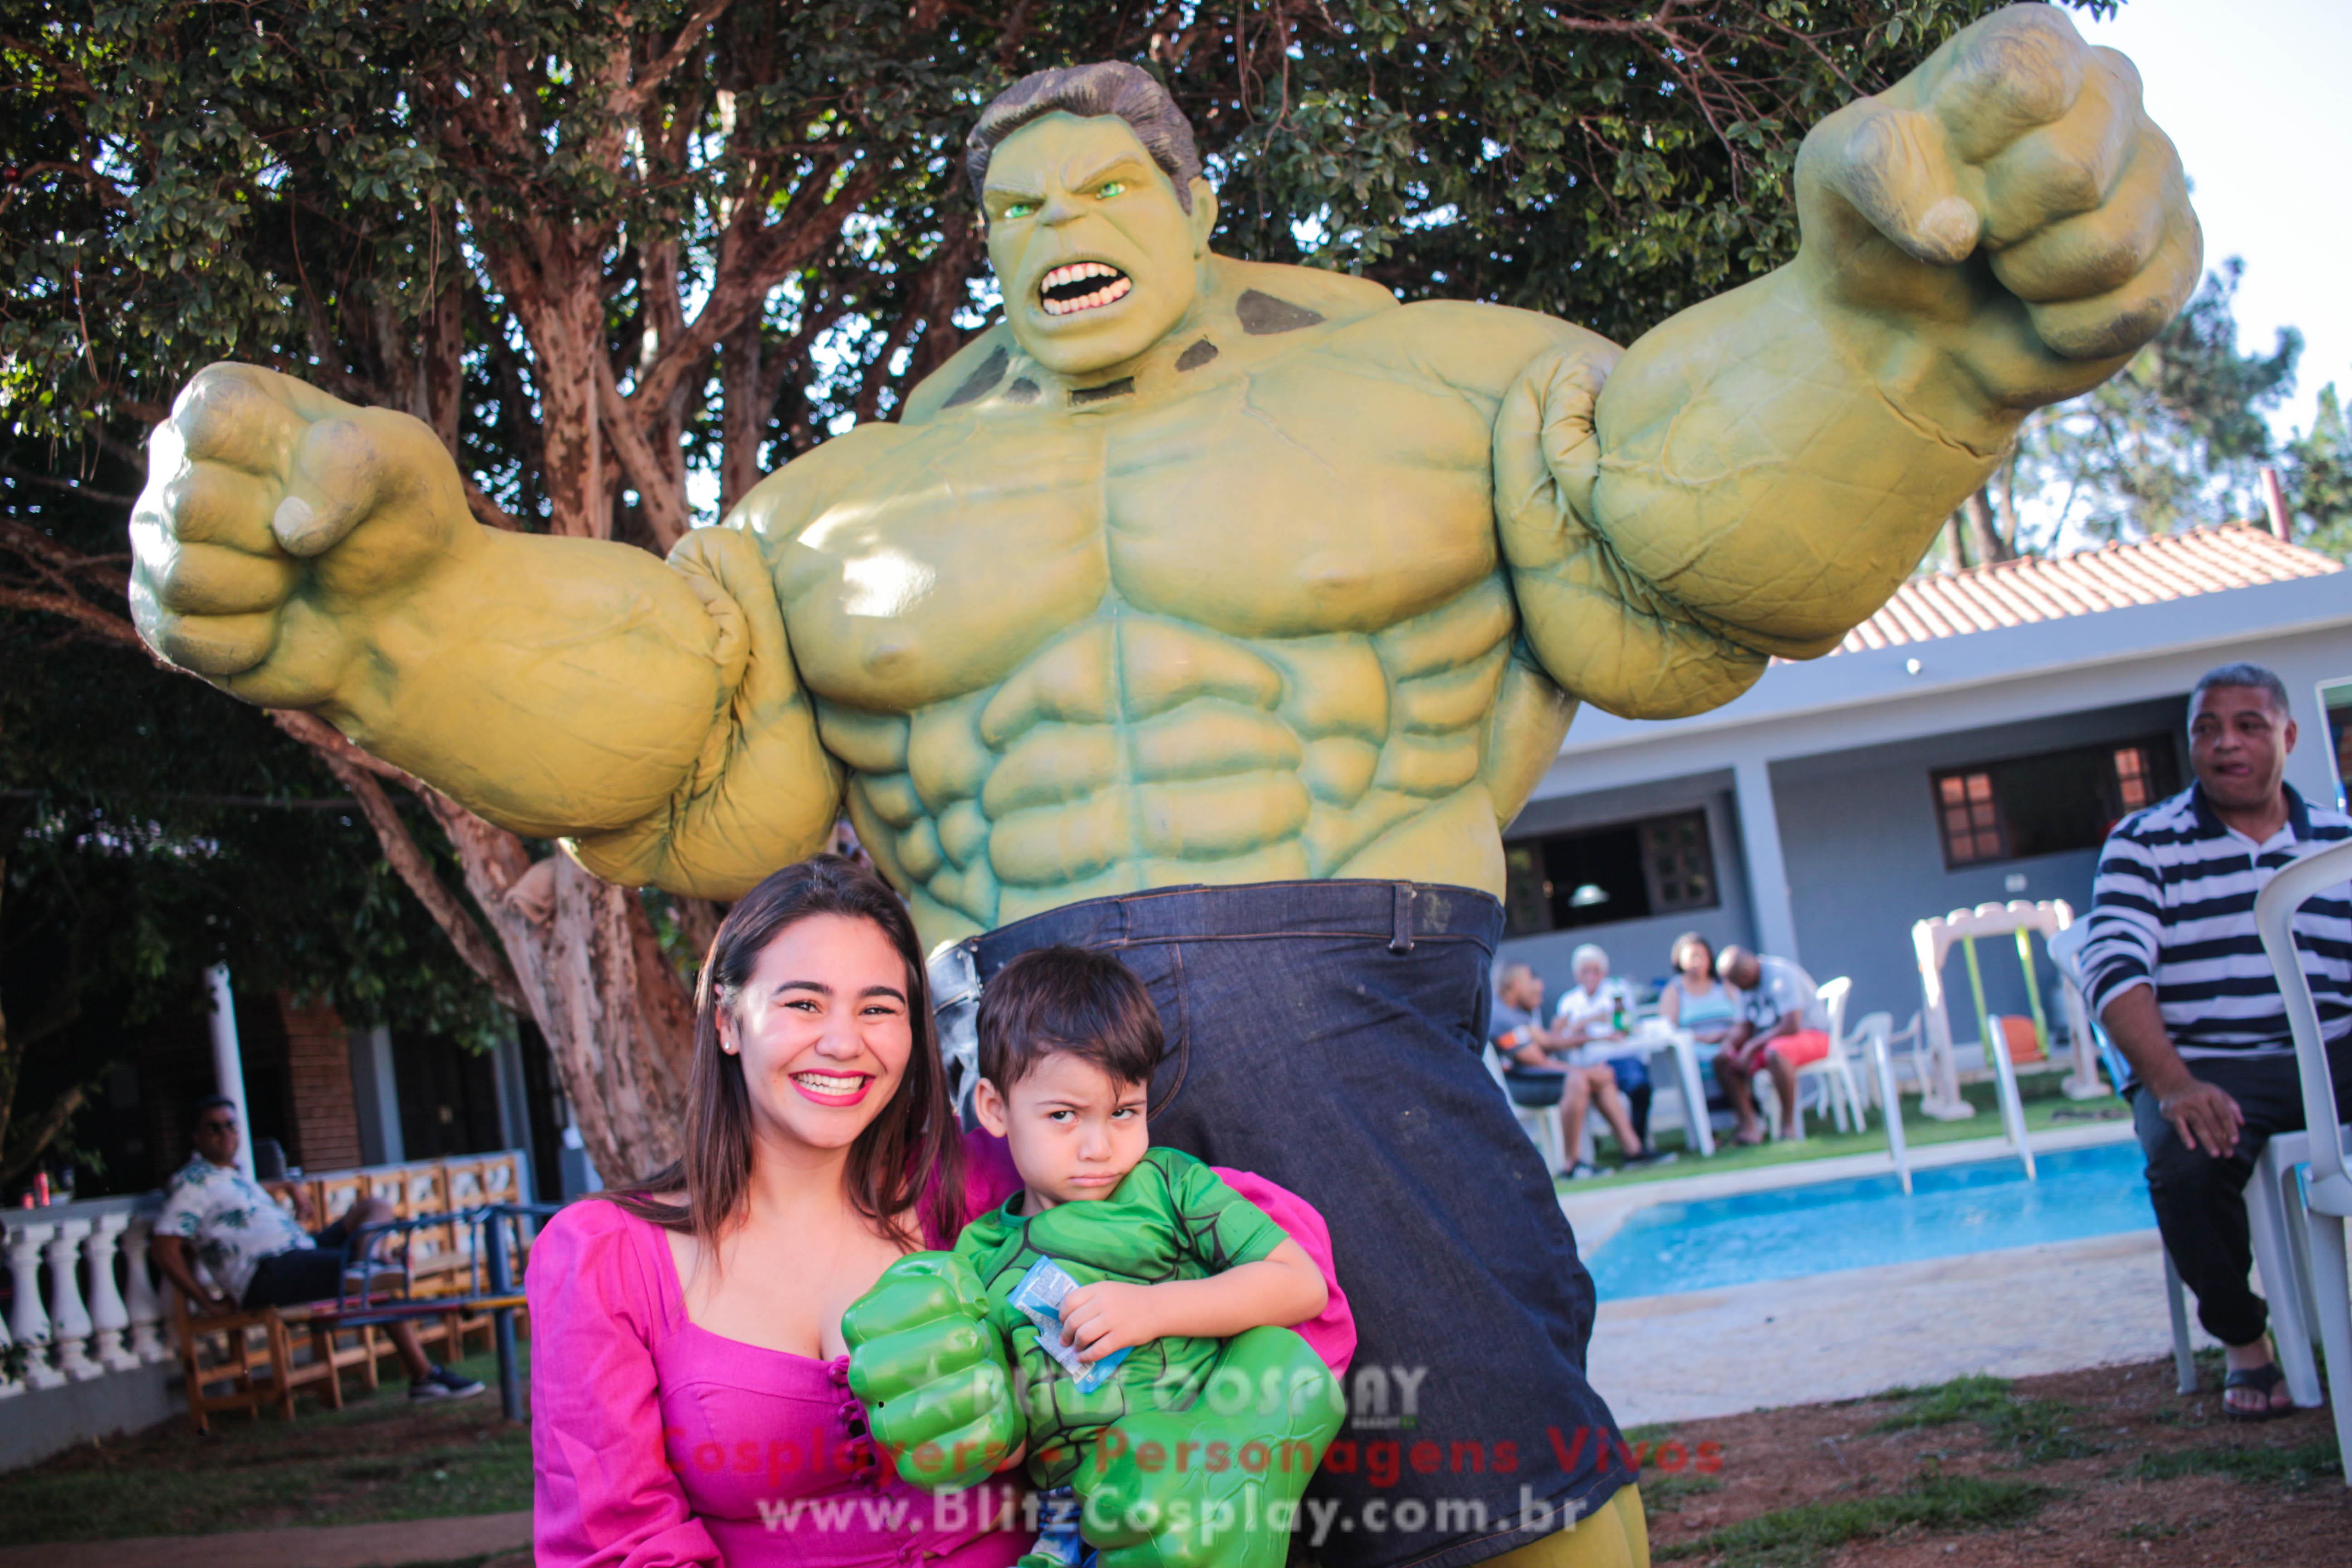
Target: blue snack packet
[[1038, 1297]]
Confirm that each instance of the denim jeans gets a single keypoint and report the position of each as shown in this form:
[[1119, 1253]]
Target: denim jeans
[[2199, 1200], [1327, 1036]]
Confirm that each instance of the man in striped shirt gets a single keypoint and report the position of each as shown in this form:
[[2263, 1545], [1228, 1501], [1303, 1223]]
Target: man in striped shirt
[[2177, 976]]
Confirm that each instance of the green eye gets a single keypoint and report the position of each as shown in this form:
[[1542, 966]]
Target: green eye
[[1020, 209], [1108, 189]]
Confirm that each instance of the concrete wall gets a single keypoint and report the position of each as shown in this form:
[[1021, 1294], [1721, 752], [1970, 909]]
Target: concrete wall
[[1637, 948], [1865, 857], [43, 1422]]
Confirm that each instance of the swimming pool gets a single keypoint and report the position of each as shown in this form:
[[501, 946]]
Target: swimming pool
[[1792, 1232]]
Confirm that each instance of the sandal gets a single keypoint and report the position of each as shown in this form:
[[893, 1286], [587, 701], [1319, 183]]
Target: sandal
[[2264, 1380]]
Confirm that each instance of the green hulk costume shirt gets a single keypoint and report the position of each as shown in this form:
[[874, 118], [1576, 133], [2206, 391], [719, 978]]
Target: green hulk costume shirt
[[1169, 1219]]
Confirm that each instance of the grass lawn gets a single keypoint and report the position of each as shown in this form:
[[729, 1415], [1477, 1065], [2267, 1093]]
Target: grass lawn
[[2045, 1108], [2107, 1466], [378, 1459]]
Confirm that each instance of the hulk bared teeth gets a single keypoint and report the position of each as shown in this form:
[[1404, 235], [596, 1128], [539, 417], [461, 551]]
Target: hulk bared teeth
[[1082, 286]]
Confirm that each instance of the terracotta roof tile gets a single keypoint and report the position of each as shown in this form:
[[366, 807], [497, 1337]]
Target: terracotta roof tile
[[2048, 588]]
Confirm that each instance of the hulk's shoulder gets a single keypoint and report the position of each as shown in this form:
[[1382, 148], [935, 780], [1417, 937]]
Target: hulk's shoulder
[[1478, 348]]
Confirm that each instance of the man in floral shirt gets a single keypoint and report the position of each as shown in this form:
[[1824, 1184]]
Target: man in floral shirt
[[258, 1254]]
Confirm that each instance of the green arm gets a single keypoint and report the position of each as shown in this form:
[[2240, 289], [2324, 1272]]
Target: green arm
[[2001, 230], [302, 552]]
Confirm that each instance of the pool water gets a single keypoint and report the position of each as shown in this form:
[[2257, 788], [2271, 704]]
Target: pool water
[[1792, 1232]]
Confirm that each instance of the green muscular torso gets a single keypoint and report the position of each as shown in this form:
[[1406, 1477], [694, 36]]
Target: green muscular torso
[[1262, 629], [1171, 1218]]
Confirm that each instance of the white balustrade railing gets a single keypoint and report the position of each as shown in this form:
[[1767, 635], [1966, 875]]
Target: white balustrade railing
[[86, 1301]]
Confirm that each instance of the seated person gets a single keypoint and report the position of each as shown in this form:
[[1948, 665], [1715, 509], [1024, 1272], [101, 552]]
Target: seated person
[[1781, 1029], [2176, 971], [261, 1256], [1694, 1000], [1519, 1037], [1171, 1265], [1593, 1017]]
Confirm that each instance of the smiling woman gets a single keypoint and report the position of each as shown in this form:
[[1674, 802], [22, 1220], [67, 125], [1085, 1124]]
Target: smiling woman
[[691, 1401]]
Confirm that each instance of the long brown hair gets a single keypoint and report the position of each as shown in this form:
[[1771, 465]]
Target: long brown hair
[[910, 1159]]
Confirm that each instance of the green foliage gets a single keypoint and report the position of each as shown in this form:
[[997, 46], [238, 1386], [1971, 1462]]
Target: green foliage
[[408, 204], [283, 180], [2317, 473], [1801, 1536], [150, 826], [2179, 439]]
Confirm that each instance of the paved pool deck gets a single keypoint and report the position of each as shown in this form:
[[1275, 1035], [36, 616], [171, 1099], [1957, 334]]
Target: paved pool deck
[[2015, 1312]]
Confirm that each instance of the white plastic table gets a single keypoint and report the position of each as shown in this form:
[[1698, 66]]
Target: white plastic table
[[1656, 1034]]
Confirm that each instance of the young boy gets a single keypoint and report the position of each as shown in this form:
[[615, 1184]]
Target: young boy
[[1173, 1267]]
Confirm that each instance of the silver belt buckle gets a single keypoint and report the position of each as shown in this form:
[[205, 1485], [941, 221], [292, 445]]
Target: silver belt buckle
[[954, 976]]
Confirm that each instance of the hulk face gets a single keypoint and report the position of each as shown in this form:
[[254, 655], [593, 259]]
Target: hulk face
[[1097, 258]]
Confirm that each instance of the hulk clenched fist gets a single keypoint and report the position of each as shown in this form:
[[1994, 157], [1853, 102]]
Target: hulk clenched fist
[[1192, 571]]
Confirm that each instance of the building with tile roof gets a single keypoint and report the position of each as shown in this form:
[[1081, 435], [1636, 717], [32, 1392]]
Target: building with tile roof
[[2112, 578], [1971, 742]]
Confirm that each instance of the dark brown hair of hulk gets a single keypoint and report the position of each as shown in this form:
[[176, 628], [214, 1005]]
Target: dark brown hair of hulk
[[1109, 86]]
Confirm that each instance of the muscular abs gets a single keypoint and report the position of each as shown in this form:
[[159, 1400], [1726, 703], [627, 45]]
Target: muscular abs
[[1261, 633]]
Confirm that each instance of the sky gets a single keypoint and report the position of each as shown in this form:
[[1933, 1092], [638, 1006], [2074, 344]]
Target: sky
[[2253, 94]]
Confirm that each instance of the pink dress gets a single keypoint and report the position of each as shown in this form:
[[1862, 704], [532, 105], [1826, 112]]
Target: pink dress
[[658, 1443]]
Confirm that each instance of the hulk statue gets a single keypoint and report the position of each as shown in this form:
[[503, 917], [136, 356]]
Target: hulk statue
[[1218, 615]]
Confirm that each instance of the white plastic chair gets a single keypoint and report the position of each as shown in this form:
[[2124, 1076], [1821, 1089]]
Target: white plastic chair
[[2327, 1195], [1841, 1093], [2272, 1203], [1540, 1123]]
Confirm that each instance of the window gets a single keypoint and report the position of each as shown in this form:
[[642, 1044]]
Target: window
[[2047, 805], [1594, 876]]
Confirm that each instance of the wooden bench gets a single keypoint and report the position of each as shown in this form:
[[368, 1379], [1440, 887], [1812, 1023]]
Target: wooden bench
[[254, 1354], [437, 1257]]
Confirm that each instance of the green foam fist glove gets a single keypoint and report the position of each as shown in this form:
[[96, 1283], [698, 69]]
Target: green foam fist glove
[[933, 1372], [1215, 1484]]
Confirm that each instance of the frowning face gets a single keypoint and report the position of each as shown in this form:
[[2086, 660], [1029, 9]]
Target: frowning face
[[1097, 258]]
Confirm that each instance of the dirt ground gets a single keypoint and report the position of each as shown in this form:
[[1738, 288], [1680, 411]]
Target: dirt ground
[[2105, 1467]]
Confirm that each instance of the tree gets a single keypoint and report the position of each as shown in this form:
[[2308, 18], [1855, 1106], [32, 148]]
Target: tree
[[2317, 474], [624, 259], [2178, 437], [144, 837]]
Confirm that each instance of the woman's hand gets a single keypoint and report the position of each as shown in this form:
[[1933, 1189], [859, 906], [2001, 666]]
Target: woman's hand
[[1112, 1316]]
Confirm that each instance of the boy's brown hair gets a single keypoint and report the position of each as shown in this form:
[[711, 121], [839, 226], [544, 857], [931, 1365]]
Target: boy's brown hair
[[1057, 1000]]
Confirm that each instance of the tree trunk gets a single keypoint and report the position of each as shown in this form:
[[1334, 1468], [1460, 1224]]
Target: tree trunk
[[617, 1020], [1984, 533], [583, 956], [742, 411], [1955, 544]]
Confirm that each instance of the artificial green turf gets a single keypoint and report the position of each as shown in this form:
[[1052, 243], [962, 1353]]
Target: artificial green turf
[[2045, 1108], [378, 1459]]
